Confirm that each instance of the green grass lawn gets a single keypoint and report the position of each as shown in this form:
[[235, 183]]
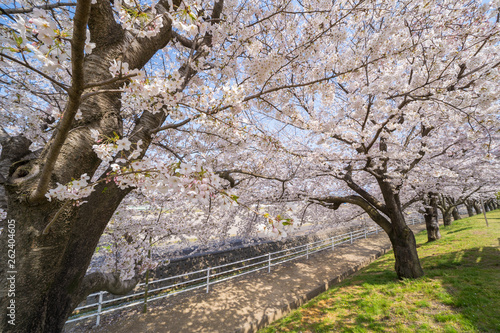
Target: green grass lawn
[[459, 293]]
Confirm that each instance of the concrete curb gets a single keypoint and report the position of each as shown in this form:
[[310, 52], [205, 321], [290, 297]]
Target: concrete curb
[[263, 319]]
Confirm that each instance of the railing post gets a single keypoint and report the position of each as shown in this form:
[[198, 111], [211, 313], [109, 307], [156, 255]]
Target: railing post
[[365, 232], [99, 308], [307, 250], [269, 265], [376, 230], [351, 237], [146, 285], [333, 244], [208, 279]]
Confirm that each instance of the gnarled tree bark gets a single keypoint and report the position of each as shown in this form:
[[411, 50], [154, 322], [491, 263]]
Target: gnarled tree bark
[[431, 218]]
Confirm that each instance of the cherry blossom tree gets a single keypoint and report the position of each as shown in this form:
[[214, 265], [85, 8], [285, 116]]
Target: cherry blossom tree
[[313, 101], [100, 99], [414, 80], [69, 71]]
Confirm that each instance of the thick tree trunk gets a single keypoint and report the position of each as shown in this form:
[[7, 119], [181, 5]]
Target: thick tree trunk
[[447, 218], [53, 262], [456, 214], [470, 210], [388, 215], [56, 262], [431, 221], [477, 208], [405, 252], [403, 242], [50, 268]]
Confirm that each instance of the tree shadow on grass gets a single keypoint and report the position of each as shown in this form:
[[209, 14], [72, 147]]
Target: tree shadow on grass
[[471, 278], [459, 230], [460, 291]]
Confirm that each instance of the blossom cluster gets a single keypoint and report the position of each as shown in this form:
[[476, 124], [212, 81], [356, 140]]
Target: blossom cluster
[[46, 38], [153, 94], [74, 190], [138, 18]]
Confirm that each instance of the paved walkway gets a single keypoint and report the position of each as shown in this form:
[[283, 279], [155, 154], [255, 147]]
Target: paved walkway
[[249, 302]]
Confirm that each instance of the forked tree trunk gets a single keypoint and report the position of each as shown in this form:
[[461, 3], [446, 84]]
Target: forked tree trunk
[[50, 268], [456, 214], [388, 215], [431, 221]]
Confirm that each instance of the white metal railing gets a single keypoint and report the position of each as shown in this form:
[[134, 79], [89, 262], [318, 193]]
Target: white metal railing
[[105, 302]]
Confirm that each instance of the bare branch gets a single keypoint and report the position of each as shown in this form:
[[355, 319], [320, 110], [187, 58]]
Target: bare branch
[[367, 196], [64, 87], [335, 202], [169, 126], [110, 81], [29, 10], [253, 175]]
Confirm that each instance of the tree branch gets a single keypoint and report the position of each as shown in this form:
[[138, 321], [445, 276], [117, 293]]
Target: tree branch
[[186, 42], [161, 145], [109, 81], [367, 196], [177, 125], [62, 86], [29, 10], [335, 202], [252, 174], [109, 282], [81, 18]]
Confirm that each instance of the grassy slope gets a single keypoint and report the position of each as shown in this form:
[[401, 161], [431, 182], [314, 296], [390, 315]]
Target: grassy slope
[[459, 293]]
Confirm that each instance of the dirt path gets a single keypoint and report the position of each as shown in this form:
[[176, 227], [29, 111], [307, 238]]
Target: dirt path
[[252, 301]]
